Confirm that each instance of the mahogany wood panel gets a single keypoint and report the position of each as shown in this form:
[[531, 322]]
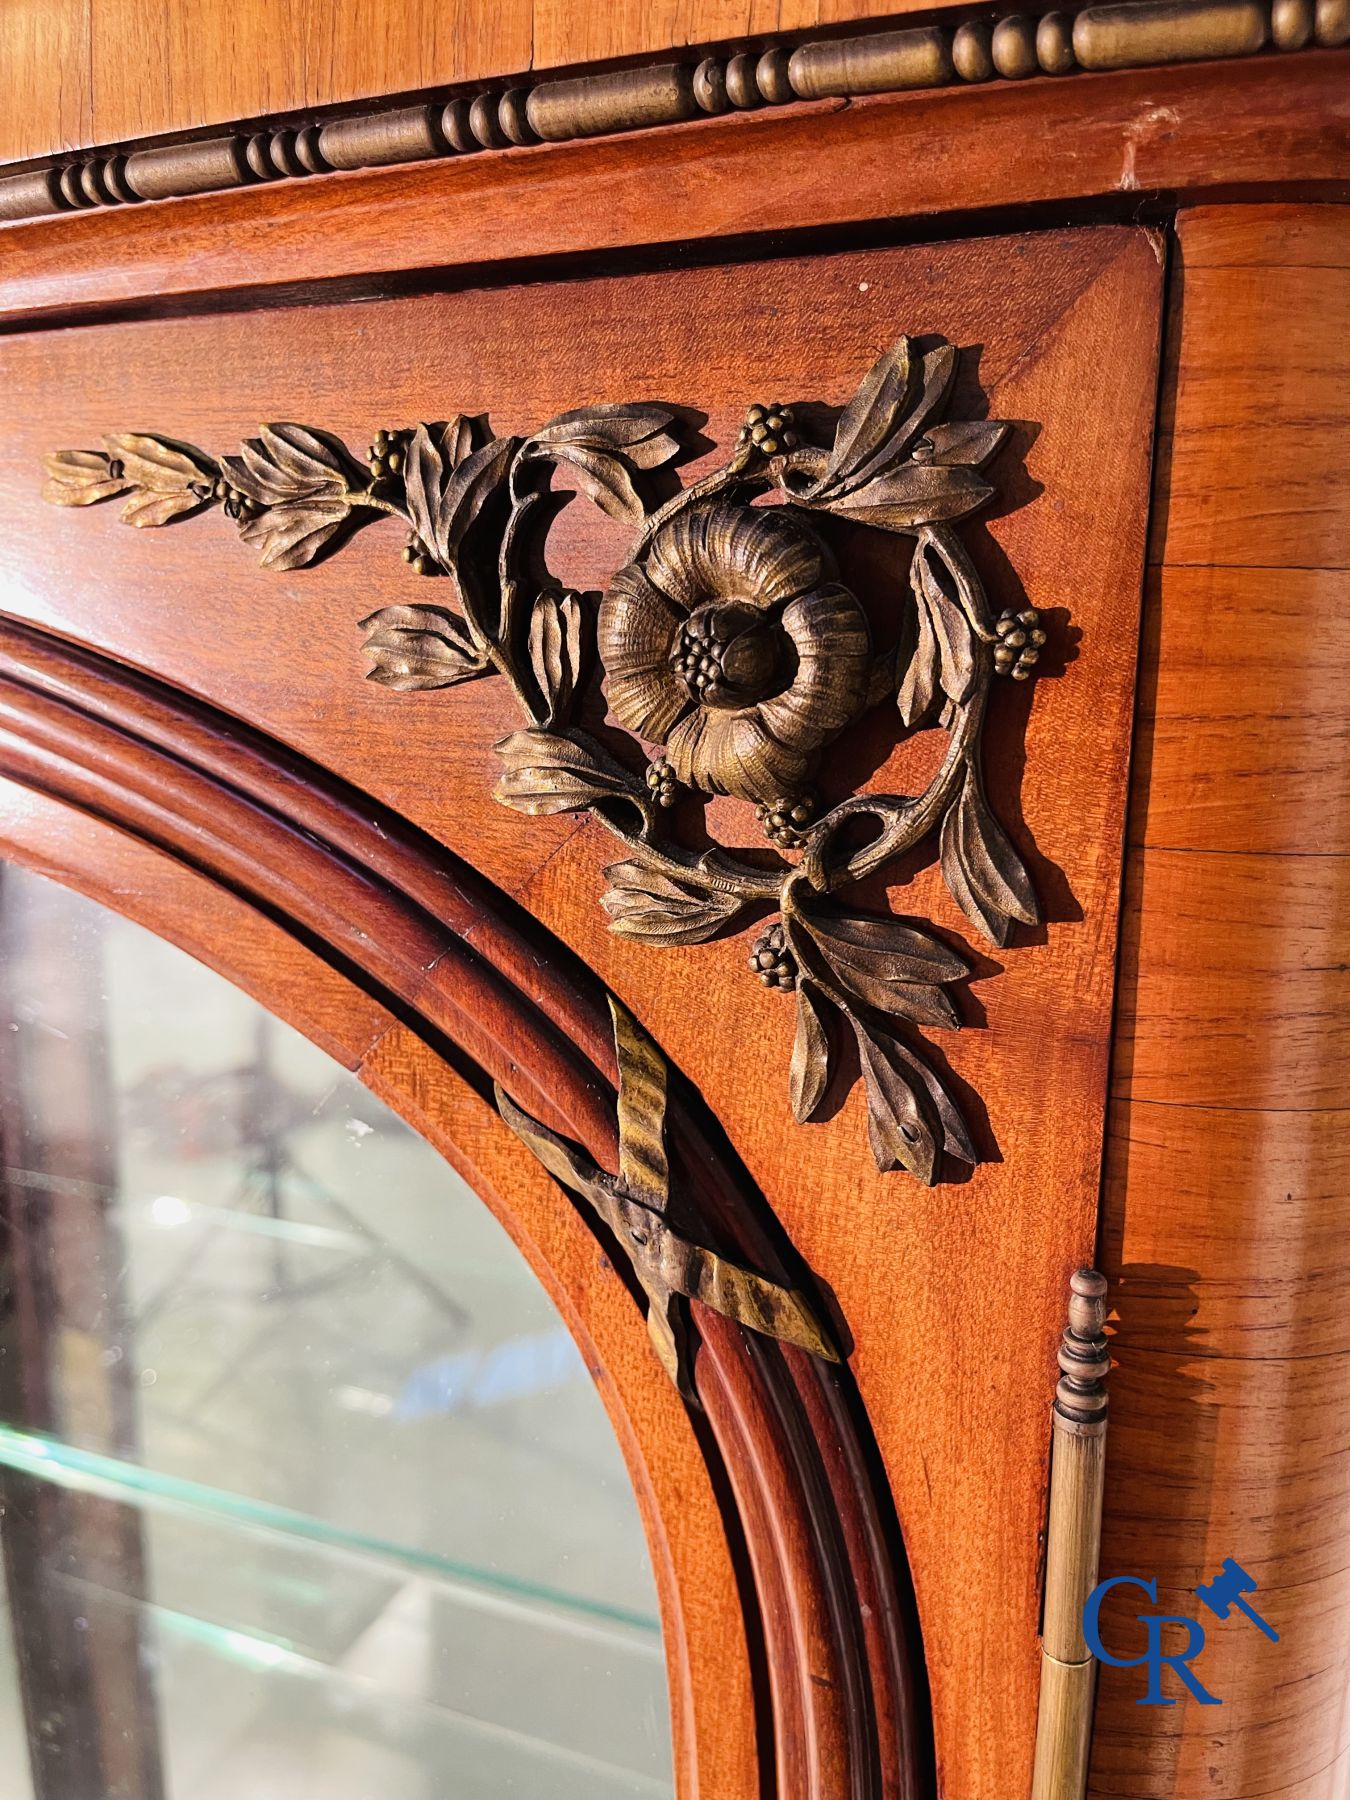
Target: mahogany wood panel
[[45, 51], [81, 72], [701, 1603], [1248, 954], [566, 31], [912, 157], [1288, 505], [954, 1297], [1293, 236], [1227, 1164], [1242, 709], [1259, 1307]]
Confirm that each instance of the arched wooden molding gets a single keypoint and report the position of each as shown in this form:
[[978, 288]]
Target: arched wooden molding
[[829, 1599]]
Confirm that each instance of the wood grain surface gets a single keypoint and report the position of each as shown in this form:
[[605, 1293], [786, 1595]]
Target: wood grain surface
[[1237, 658], [953, 1297], [910, 157], [82, 72], [1224, 1224]]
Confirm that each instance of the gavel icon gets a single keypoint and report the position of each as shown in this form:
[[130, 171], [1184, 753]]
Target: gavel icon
[[1225, 1592]]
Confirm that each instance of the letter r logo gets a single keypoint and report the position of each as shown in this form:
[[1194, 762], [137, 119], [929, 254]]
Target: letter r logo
[[1153, 1653]]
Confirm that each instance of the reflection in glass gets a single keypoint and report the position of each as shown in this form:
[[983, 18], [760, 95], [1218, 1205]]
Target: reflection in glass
[[306, 1490]]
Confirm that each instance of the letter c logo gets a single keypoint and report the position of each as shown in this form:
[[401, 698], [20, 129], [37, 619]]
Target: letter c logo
[[1092, 1630]]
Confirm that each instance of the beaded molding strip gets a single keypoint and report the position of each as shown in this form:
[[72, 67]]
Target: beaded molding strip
[[1013, 48]]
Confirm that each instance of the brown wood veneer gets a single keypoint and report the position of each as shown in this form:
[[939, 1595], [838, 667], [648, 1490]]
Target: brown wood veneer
[[951, 1365], [1224, 1208]]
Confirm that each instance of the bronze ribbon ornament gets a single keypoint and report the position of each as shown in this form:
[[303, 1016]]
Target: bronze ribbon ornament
[[670, 1268]]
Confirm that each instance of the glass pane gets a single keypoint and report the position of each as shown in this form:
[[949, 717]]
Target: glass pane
[[307, 1493]]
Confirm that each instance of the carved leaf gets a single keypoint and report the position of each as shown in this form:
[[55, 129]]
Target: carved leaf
[[812, 1052], [901, 1127], [638, 432], [450, 475], [886, 948], [292, 536], [915, 494], [556, 649], [602, 478], [308, 455], [559, 771], [287, 463], [918, 688], [888, 421], [985, 874], [145, 507], [469, 488], [79, 478], [869, 420], [424, 475], [956, 1138], [947, 622], [891, 966], [952, 1133], [166, 479], [937, 371], [416, 647], [459, 437], [969, 441], [933, 379], [956, 574], [160, 464], [656, 908], [600, 445]]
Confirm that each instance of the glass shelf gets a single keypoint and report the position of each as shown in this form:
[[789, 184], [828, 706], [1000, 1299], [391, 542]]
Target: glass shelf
[[258, 1635], [249, 1715], [86, 1472]]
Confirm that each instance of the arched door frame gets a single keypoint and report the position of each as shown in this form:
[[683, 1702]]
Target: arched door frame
[[837, 1668]]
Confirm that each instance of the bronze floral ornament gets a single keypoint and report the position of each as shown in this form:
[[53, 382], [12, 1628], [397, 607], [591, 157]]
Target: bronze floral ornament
[[732, 645], [727, 643]]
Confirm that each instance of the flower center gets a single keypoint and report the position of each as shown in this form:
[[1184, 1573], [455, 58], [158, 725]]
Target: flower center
[[729, 654]]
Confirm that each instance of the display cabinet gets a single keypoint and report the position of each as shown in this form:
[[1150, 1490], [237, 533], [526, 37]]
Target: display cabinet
[[713, 760]]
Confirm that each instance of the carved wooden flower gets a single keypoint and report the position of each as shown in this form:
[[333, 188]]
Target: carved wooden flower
[[732, 645]]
